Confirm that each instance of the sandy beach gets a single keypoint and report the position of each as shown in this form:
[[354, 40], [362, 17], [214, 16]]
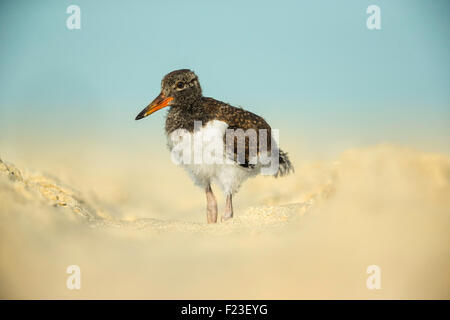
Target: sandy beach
[[310, 235]]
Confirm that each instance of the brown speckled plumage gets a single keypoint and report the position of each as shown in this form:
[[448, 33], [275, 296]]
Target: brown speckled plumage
[[208, 109]]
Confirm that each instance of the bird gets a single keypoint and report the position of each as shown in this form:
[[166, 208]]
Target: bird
[[209, 124]]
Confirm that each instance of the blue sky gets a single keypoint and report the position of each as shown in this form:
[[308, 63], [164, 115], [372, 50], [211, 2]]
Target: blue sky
[[311, 67]]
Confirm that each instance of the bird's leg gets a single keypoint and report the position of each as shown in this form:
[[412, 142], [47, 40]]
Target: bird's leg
[[211, 205], [228, 214]]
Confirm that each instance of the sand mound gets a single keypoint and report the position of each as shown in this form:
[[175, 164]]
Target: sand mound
[[45, 191]]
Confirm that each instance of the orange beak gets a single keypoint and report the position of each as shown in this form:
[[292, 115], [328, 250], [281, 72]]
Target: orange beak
[[160, 102]]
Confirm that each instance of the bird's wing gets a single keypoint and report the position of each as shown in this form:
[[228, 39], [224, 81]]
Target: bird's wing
[[246, 128]]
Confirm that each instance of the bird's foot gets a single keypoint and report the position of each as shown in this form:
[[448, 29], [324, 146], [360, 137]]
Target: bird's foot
[[226, 217]]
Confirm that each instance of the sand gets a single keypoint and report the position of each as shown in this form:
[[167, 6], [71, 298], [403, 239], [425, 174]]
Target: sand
[[141, 234]]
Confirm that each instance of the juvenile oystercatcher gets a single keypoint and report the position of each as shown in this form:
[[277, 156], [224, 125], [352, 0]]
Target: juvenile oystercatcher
[[210, 123]]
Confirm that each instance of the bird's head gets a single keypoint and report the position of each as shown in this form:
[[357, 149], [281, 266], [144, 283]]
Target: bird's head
[[178, 88]]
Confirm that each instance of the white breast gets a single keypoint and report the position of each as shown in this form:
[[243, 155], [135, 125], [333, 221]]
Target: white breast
[[202, 154]]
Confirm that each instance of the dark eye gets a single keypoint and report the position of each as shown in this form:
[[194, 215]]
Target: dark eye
[[180, 85]]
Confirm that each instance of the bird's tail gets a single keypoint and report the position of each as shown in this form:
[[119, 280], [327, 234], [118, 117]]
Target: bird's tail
[[285, 166]]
